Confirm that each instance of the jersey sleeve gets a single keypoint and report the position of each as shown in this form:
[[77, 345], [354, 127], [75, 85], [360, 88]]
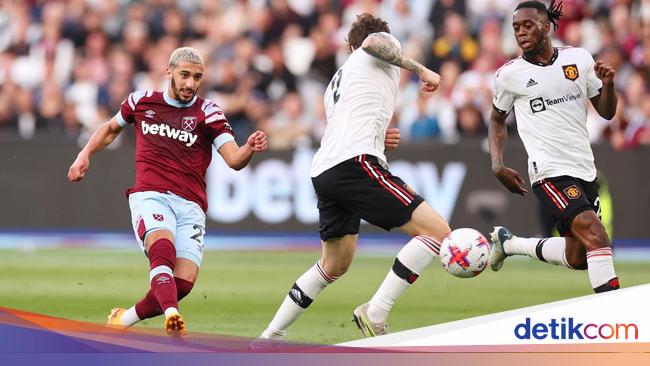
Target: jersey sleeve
[[392, 39], [216, 124], [594, 84], [503, 98], [126, 114]]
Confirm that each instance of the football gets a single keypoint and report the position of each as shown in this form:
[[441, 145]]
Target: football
[[465, 253]]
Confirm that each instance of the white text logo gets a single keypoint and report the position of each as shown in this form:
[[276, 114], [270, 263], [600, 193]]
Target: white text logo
[[164, 130]]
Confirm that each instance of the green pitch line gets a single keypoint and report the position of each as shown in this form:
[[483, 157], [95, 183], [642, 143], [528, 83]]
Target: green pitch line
[[238, 292]]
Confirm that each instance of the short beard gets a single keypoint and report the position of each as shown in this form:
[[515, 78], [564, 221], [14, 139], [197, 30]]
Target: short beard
[[177, 93]]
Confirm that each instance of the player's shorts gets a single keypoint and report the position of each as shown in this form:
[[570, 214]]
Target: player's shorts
[[360, 188], [151, 211], [565, 197]]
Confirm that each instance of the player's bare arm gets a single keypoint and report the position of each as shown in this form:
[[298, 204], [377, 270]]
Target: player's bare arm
[[238, 157], [391, 141], [101, 138], [381, 46], [605, 102], [498, 135]]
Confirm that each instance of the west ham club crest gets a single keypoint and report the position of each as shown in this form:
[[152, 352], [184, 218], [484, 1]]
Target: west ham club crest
[[188, 123]]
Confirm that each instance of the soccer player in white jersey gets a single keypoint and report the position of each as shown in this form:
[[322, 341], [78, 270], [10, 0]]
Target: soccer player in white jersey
[[549, 88], [352, 181]]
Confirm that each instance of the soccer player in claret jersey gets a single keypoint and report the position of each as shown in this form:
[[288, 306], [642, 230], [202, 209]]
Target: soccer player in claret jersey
[[549, 88], [352, 182], [176, 131]]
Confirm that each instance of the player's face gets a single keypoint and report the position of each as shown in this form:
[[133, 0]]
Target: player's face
[[529, 28], [185, 80]]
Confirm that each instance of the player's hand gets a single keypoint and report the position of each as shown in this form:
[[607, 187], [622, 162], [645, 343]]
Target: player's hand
[[257, 141], [511, 179], [78, 169], [604, 72], [430, 80], [392, 139]]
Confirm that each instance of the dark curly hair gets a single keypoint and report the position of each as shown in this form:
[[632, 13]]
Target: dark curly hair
[[362, 27], [553, 12]]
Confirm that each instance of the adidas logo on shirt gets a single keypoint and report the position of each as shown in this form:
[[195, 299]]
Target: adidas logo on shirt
[[531, 82]]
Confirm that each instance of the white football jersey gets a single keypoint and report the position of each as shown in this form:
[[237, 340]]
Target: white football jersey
[[551, 108], [359, 104]]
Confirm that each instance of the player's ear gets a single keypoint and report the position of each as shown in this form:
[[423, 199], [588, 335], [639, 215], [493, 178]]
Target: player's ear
[[546, 26], [169, 72]]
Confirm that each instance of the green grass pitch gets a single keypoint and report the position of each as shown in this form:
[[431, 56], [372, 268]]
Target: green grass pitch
[[237, 293]]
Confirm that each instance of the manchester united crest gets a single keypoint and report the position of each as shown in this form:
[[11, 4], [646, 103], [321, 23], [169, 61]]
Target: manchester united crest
[[570, 71], [572, 192], [188, 123]]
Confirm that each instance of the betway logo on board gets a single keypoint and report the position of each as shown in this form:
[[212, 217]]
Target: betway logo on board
[[166, 131], [276, 190]]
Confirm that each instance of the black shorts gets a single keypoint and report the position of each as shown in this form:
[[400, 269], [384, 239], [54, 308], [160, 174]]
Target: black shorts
[[360, 188], [565, 197]]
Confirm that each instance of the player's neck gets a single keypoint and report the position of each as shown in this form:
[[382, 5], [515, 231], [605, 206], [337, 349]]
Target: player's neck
[[543, 56], [171, 100]]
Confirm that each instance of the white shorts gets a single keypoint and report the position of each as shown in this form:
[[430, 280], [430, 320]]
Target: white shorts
[[151, 211]]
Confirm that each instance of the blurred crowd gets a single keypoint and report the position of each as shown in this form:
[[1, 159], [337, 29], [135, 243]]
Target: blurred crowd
[[65, 66]]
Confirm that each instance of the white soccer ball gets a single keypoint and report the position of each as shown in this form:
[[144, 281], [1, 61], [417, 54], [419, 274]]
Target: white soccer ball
[[465, 253]]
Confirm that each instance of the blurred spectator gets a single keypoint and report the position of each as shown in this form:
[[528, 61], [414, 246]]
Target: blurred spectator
[[288, 127], [66, 65], [454, 43]]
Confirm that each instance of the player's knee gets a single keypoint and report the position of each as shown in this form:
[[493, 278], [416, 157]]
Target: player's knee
[[439, 232], [596, 236], [578, 262], [590, 231], [154, 236], [339, 270], [336, 268]]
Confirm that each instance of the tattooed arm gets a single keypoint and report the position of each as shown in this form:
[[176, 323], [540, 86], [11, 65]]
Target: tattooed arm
[[382, 46]]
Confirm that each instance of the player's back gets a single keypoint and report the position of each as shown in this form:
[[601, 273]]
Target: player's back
[[359, 104]]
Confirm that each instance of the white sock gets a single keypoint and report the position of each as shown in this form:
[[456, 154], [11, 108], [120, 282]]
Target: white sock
[[301, 295], [170, 311], [600, 265], [411, 261], [521, 246], [129, 317], [549, 250]]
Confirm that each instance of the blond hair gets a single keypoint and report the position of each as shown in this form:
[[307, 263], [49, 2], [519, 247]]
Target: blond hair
[[185, 54]]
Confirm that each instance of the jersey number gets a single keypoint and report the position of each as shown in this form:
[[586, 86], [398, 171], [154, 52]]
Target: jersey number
[[336, 82], [199, 235]]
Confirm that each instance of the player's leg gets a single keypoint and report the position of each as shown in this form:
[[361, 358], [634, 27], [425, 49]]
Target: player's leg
[[185, 273], [154, 224], [587, 228], [336, 259], [386, 201], [427, 229], [564, 251], [338, 229], [162, 261]]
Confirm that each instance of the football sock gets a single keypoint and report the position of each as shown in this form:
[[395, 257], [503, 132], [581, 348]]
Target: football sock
[[302, 294], [550, 250], [411, 261], [162, 256], [600, 265], [130, 316], [148, 307]]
